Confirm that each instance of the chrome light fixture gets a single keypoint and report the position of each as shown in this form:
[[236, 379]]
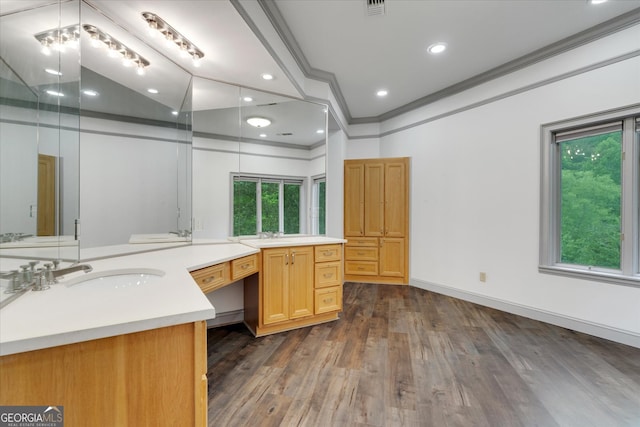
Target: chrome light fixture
[[58, 38], [116, 48], [173, 37], [258, 122]]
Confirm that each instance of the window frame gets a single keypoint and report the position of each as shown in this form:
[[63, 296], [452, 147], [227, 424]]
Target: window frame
[[281, 181], [550, 198], [315, 204]]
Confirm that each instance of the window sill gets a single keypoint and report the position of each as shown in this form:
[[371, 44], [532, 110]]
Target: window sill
[[597, 276]]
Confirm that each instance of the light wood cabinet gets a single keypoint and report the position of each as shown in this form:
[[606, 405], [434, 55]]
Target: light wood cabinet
[[376, 208], [288, 283], [150, 378], [298, 286], [219, 275]]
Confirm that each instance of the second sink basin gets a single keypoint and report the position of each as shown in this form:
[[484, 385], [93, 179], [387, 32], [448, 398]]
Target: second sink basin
[[117, 278]]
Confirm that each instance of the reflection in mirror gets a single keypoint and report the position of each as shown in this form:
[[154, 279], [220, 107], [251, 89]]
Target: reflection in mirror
[[135, 144], [40, 133], [254, 179]]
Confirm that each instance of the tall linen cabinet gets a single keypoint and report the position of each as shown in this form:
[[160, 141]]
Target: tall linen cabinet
[[376, 220]]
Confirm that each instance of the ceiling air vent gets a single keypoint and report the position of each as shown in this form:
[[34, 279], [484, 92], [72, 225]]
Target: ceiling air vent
[[375, 7]]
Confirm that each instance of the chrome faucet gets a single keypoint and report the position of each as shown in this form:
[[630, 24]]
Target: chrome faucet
[[78, 267]]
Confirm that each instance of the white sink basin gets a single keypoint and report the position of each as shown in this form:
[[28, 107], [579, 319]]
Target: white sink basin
[[117, 279]]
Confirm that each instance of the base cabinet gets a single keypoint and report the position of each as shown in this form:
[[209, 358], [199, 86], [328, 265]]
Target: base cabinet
[[150, 378], [298, 286]]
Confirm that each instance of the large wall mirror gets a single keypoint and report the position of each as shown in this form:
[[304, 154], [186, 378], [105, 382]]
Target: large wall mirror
[[39, 126], [257, 176], [95, 150]]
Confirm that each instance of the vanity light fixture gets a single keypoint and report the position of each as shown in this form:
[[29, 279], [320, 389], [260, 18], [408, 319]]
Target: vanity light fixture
[[58, 39], [173, 37], [258, 122], [116, 49]]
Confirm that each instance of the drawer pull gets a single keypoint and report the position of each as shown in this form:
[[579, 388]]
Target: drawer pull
[[328, 253], [210, 279], [360, 268], [327, 275], [245, 266], [360, 253], [327, 300]]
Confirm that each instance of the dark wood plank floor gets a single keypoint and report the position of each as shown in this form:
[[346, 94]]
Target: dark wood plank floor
[[402, 356]]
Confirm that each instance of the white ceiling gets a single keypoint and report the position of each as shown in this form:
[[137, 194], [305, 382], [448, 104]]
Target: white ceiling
[[367, 53], [359, 53]]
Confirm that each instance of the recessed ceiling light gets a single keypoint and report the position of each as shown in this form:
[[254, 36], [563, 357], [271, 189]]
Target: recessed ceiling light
[[52, 71], [267, 76], [382, 93], [90, 92], [151, 90], [247, 99], [258, 122], [175, 113], [54, 93], [597, 1], [320, 131], [437, 48], [263, 135]]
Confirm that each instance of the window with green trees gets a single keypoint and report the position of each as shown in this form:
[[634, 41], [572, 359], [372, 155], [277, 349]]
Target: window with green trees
[[590, 204], [266, 204]]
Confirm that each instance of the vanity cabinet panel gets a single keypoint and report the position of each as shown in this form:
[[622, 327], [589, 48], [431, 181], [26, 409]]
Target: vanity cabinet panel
[[297, 286], [243, 267], [328, 299], [213, 277], [328, 253], [150, 378], [328, 274], [287, 283], [380, 252]]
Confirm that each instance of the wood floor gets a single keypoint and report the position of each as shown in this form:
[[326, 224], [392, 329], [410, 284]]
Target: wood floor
[[402, 356]]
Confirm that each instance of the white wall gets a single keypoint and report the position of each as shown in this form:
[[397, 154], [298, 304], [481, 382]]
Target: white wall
[[475, 177]]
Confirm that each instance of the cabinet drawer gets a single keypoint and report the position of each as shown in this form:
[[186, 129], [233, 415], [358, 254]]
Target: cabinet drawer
[[328, 253], [212, 278], [363, 241], [243, 267], [328, 274], [356, 253], [363, 268], [328, 299]]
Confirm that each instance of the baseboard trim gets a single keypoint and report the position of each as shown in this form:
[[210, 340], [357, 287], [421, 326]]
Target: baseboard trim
[[227, 318], [602, 331]]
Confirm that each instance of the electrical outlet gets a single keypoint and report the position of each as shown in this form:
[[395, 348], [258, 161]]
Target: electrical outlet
[[483, 276]]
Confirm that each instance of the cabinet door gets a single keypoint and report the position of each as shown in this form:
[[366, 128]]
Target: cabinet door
[[392, 257], [353, 199], [301, 275], [275, 268], [374, 199], [396, 198]]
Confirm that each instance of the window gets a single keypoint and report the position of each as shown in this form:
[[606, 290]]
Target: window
[[319, 205], [590, 191], [267, 204]]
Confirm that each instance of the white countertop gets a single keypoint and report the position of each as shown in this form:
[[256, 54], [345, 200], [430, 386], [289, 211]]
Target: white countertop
[[69, 314], [275, 242]]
